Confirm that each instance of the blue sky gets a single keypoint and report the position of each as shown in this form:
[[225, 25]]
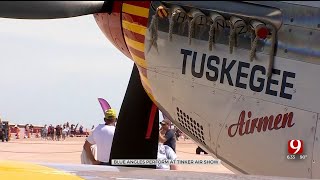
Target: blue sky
[[53, 71]]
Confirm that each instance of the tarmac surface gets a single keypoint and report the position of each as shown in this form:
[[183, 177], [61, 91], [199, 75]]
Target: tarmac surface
[[69, 151]]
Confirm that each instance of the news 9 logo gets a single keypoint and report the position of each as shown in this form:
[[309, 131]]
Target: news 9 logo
[[295, 146]]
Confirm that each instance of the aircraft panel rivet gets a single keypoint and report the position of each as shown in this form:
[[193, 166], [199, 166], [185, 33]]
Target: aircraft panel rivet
[[313, 161], [316, 138]]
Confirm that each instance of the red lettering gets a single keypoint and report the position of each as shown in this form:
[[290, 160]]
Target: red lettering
[[261, 124], [246, 131], [287, 118], [241, 123], [253, 125], [270, 122], [241, 119], [277, 121]]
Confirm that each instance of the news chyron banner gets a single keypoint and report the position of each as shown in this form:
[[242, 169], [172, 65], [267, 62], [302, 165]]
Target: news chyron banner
[[132, 162]]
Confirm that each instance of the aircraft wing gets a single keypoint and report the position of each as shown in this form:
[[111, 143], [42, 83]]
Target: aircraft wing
[[48, 171]]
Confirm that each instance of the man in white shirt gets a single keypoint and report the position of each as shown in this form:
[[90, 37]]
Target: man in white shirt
[[102, 137], [165, 152]]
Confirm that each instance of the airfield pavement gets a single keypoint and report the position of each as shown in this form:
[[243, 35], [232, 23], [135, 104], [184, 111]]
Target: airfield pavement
[[69, 151]]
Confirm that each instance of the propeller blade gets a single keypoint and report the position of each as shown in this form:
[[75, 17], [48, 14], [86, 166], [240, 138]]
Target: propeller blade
[[51, 9], [130, 141]]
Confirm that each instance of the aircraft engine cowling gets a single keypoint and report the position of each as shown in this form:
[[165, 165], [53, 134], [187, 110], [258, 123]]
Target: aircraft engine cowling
[[110, 25]]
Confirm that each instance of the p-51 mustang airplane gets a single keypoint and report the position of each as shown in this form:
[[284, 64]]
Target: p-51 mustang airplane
[[239, 78]]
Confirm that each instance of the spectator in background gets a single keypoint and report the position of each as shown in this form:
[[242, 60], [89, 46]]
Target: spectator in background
[[51, 132], [64, 132], [1, 131], [6, 130], [75, 129], [44, 132], [26, 131], [166, 135], [177, 132], [17, 129], [72, 130], [81, 130], [165, 152], [58, 132], [9, 133], [68, 127], [31, 129]]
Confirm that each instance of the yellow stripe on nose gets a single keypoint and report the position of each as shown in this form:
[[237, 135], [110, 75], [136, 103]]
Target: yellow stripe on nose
[[145, 80], [134, 44], [141, 62], [135, 10], [134, 27]]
